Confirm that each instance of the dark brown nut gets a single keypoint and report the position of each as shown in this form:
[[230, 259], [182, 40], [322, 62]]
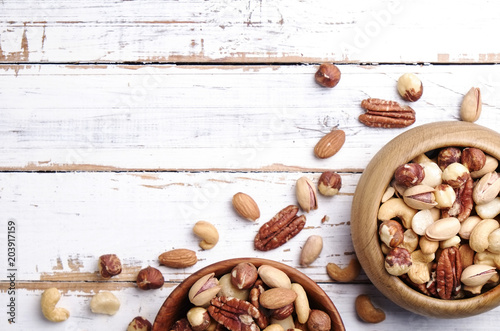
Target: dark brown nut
[[244, 275], [234, 314], [282, 227], [283, 312], [410, 87], [386, 114], [150, 279], [109, 265], [398, 261], [139, 323], [391, 233], [319, 321], [181, 325], [409, 174], [473, 158], [328, 75], [462, 207], [455, 175], [198, 318], [329, 183], [448, 156], [448, 273]]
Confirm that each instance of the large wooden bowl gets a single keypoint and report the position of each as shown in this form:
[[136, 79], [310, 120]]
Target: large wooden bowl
[[177, 304], [366, 202]]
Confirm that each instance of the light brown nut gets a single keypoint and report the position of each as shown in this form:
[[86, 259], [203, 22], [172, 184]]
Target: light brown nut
[[490, 209], [274, 277], [453, 241], [410, 87], [396, 207], [306, 194], [419, 273], [410, 240], [494, 241], [487, 258], [244, 275], [409, 174], [319, 321], [330, 144], [487, 188], [104, 303], [204, 290], [428, 246], [473, 158], [366, 311], [391, 233], [420, 197], [445, 196], [198, 318], [471, 106], [139, 323], [178, 258], [467, 225], [386, 114], [419, 256], [467, 255], [207, 233], [491, 164], [389, 193], [327, 75], [50, 297], [287, 323], [398, 261], [478, 240], [311, 250], [455, 175], [109, 265], [302, 308], [277, 297], [245, 206], [329, 183], [477, 274], [421, 220], [443, 229], [433, 174], [228, 289], [346, 274], [274, 327], [447, 156], [149, 279]]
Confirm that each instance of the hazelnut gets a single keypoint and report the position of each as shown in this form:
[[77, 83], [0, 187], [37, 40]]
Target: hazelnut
[[409, 174], [410, 87], [244, 275], [109, 265], [328, 75], [198, 318], [473, 158], [319, 321], [448, 156], [445, 196], [104, 303], [150, 278], [139, 323], [329, 183], [391, 233], [455, 175], [398, 261]]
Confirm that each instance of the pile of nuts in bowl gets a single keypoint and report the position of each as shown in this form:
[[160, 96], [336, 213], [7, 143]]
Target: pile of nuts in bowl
[[439, 228], [249, 299]]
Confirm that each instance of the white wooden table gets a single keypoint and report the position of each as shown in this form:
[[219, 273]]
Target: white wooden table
[[125, 122]]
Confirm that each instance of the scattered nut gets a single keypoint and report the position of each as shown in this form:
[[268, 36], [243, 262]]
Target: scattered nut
[[347, 274], [104, 303], [139, 323], [328, 75], [306, 194], [470, 110], [109, 265], [178, 258], [319, 321], [245, 206], [410, 87], [50, 297], [208, 233], [149, 279], [329, 183], [330, 144], [311, 250], [366, 311]]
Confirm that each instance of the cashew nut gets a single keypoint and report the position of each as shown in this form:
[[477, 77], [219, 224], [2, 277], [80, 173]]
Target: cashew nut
[[396, 207], [479, 236], [494, 241], [490, 209], [208, 233], [487, 258], [50, 297], [366, 311], [428, 246], [104, 303], [347, 274]]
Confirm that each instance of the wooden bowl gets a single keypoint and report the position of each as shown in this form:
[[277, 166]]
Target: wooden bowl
[[366, 202], [177, 304]]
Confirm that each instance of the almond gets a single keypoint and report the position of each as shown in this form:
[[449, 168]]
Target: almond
[[277, 297], [246, 207], [178, 258], [330, 144]]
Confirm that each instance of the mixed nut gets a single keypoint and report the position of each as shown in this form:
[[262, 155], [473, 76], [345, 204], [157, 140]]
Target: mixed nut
[[439, 227], [250, 298]]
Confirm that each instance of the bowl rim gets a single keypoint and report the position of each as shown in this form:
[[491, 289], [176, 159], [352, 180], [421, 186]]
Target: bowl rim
[[364, 222], [166, 313]]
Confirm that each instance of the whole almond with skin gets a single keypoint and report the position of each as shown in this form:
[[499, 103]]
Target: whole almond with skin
[[245, 206], [178, 258], [330, 144], [277, 297]]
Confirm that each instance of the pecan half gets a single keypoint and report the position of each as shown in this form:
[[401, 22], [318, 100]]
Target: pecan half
[[386, 114], [255, 292], [448, 273], [462, 207], [282, 227], [234, 314]]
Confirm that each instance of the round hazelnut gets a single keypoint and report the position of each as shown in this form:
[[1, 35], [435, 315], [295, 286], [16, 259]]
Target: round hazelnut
[[109, 265], [319, 321], [328, 75], [139, 323], [473, 158], [198, 318], [398, 261], [447, 156], [455, 175], [150, 278], [410, 87], [445, 196], [409, 174], [391, 233], [329, 183], [244, 275]]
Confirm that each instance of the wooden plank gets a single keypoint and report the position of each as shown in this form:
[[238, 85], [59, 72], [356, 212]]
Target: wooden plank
[[256, 31], [251, 118]]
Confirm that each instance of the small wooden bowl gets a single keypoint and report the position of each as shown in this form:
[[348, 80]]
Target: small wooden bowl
[[177, 304], [366, 202]]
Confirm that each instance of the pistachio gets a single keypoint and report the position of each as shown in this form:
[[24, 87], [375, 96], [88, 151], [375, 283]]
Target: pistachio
[[487, 188], [306, 194], [420, 197], [477, 274], [443, 229], [204, 290], [470, 110]]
